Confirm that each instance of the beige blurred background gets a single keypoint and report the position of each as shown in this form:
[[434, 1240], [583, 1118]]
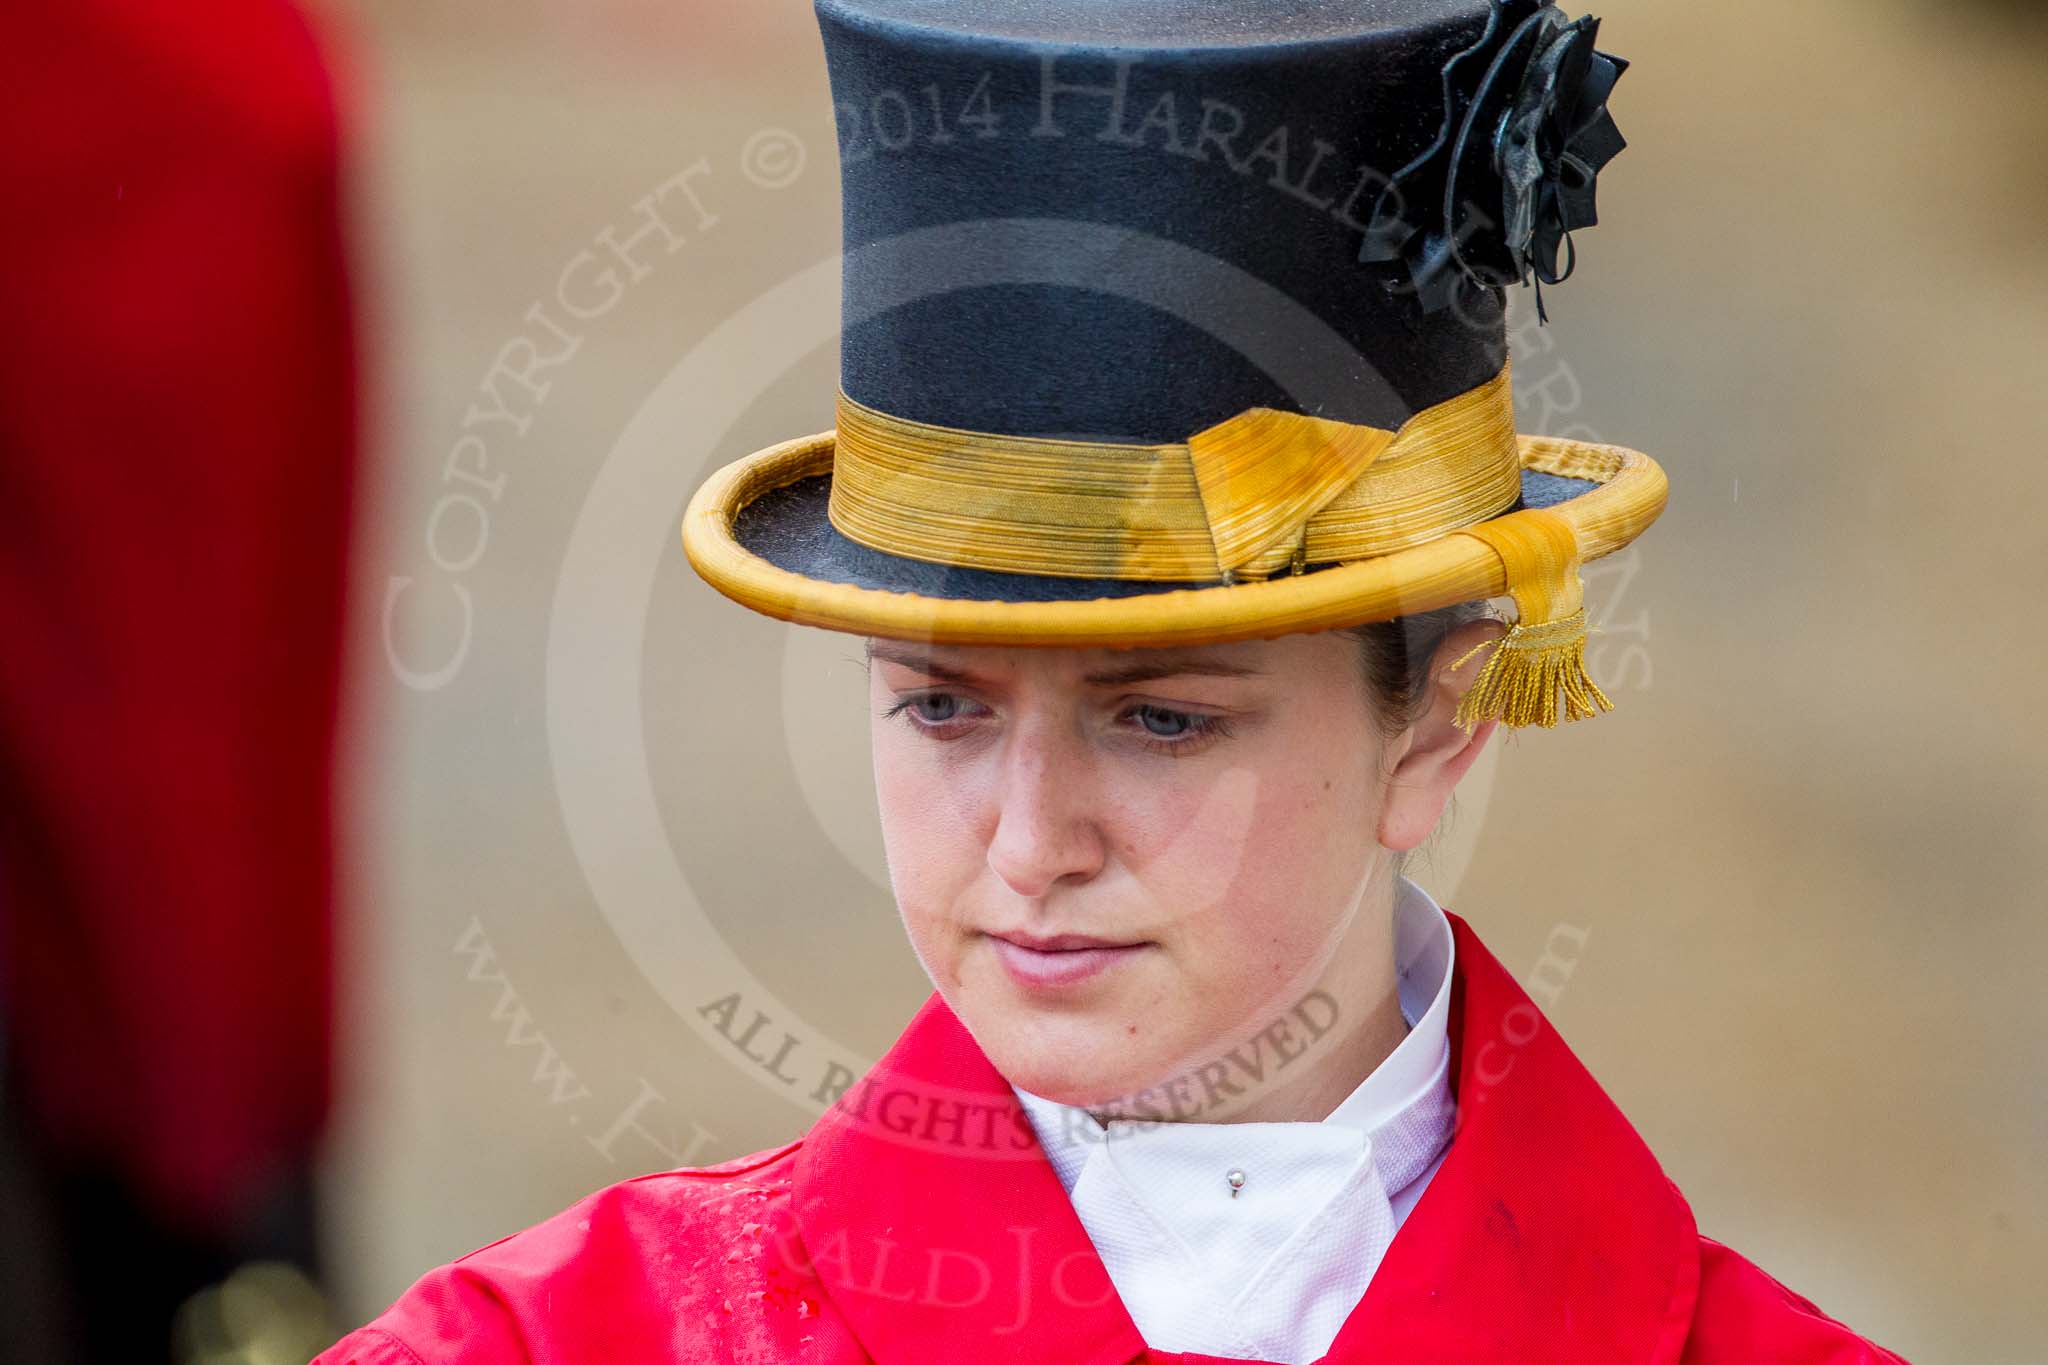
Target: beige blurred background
[[1808, 853]]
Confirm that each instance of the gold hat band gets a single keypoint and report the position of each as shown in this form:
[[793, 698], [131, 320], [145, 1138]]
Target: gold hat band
[[1264, 491]]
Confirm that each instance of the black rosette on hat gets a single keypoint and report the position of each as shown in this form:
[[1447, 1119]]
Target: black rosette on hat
[[1511, 173]]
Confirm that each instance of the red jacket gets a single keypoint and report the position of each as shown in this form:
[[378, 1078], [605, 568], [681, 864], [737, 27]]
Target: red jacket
[[918, 1222]]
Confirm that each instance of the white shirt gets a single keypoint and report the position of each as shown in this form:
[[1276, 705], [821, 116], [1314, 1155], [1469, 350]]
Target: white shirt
[[1271, 1272]]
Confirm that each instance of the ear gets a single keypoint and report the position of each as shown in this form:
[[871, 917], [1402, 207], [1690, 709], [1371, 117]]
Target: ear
[[1435, 753]]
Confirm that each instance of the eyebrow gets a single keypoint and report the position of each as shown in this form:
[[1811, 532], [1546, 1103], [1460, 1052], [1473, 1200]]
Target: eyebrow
[[1169, 664]]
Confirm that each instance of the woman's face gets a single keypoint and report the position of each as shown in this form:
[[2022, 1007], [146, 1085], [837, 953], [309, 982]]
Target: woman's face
[[1116, 865]]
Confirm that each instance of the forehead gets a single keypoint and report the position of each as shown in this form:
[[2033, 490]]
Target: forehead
[[1103, 667]]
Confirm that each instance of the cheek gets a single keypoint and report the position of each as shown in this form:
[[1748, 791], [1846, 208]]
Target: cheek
[[1261, 862], [931, 852]]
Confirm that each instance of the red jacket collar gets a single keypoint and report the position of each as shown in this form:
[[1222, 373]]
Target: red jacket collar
[[1550, 1232], [941, 1232]]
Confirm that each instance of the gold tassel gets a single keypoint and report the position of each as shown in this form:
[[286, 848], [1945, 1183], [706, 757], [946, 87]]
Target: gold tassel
[[1531, 666], [1543, 654]]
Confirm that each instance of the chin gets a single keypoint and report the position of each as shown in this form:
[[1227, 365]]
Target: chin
[[1072, 1059]]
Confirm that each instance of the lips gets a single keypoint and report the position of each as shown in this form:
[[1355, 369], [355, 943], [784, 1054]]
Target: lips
[[1061, 942], [1043, 963]]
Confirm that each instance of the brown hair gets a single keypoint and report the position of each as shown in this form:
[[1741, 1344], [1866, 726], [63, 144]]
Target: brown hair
[[1396, 656]]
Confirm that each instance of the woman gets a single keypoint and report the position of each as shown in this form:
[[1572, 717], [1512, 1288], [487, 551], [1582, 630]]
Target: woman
[[1174, 463]]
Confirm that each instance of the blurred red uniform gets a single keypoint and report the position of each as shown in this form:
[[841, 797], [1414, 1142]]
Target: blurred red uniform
[[177, 437]]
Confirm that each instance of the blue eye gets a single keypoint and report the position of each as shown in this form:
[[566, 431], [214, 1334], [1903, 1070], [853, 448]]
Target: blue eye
[[1162, 728], [928, 710], [1177, 732], [1166, 724]]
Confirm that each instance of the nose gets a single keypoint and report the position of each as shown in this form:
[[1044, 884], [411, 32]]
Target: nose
[[1046, 827]]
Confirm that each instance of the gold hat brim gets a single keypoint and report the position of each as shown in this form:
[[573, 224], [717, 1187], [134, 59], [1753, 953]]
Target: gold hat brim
[[1631, 493]]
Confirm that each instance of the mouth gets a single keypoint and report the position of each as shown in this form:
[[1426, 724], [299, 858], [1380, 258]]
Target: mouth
[[1040, 963]]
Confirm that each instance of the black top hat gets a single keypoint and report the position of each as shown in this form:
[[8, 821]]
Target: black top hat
[[1184, 320]]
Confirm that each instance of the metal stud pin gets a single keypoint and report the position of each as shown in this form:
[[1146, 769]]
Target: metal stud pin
[[1235, 1178]]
